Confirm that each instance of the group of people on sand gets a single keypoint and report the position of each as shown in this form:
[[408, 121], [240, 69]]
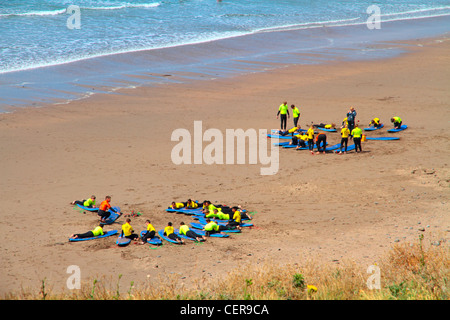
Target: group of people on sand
[[308, 138], [233, 215]]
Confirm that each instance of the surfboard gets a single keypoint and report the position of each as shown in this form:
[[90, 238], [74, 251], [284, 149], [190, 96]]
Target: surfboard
[[334, 147], [215, 235], [122, 241], [372, 128], [224, 222], [113, 216], [185, 211], [200, 226], [329, 130], [280, 144], [153, 240], [276, 131], [87, 208], [382, 138], [289, 136], [177, 231], [106, 234], [161, 234], [295, 146], [349, 148], [402, 127]]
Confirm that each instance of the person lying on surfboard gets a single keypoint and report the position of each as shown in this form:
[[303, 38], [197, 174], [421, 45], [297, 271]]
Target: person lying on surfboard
[[192, 204], [98, 231], [325, 126], [291, 130], [212, 227], [177, 205], [89, 203], [184, 229], [170, 233]]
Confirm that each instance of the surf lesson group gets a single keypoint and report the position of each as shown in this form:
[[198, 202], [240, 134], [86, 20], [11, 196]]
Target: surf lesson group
[[307, 139]]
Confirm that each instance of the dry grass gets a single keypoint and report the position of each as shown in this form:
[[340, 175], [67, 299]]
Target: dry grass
[[418, 271]]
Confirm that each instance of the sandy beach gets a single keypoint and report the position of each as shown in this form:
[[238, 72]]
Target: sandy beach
[[325, 208]]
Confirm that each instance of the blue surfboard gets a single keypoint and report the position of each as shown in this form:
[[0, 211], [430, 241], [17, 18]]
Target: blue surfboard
[[122, 241], [177, 231], [106, 234], [402, 127], [161, 234], [113, 216], [382, 138], [224, 222], [153, 240], [329, 130], [200, 226], [372, 128], [215, 235], [289, 136], [349, 148], [334, 147], [281, 144], [185, 211], [87, 208]]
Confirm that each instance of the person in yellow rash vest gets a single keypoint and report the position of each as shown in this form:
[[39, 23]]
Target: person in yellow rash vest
[[89, 203], [170, 233], [310, 134], [151, 232], [357, 135], [184, 229], [295, 114], [299, 140], [375, 122], [212, 227], [345, 132], [191, 204], [283, 112], [397, 121], [291, 131], [235, 220], [177, 205], [98, 231], [127, 230]]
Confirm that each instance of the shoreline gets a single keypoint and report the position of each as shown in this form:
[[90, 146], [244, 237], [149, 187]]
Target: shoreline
[[119, 144], [229, 57]]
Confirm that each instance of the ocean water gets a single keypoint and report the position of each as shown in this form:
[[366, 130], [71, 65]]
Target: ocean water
[[54, 51]]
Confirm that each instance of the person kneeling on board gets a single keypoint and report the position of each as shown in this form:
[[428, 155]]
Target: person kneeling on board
[[397, 121], [375, 122], [104, 209]]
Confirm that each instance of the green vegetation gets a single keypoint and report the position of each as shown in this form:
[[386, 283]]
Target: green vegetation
[[407, 272]]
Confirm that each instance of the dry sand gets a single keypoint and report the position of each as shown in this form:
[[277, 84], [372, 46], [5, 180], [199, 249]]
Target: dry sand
[[328, 208]]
